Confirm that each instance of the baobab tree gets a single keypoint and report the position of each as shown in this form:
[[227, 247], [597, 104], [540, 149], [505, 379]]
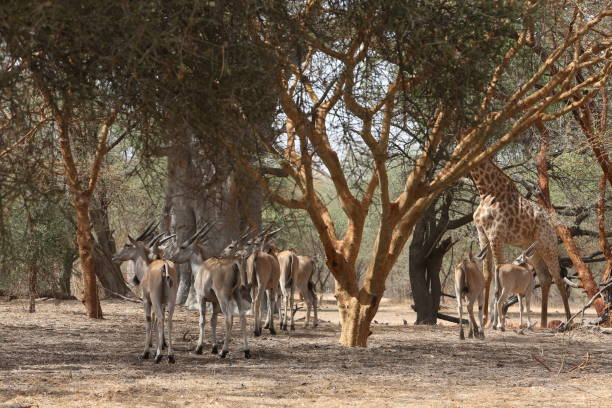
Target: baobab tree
[[422, 77]]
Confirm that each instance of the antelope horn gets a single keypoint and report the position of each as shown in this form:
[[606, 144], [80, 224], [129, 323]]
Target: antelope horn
[[271, 234], [167, 238], [155, 239], [146, 232], [482, 252], [205, 232], [194, 236], [528, 252], [264, 232], [246, 234]]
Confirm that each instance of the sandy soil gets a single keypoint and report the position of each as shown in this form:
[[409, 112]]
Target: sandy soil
[[57, 357]]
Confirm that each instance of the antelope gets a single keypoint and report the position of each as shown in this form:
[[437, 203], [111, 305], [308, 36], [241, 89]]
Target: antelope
[[470, 284], [303, 281], [217, 280], [158, 281], [517, 278], [262, 273], [289, 265]]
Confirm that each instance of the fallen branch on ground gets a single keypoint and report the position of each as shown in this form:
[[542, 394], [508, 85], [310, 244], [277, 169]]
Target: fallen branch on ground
[[565, 325], [578, 366], [450, 318]]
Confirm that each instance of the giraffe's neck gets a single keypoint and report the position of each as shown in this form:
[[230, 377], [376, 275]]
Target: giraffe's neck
[[491, 180]]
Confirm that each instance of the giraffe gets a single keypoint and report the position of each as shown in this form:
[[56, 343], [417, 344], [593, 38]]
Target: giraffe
[[504, 216]]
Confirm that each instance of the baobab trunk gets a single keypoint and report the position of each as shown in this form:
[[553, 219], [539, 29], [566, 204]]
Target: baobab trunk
[[80, 203]]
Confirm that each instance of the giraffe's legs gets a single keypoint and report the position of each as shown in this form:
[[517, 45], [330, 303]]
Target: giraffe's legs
[[498, 259]]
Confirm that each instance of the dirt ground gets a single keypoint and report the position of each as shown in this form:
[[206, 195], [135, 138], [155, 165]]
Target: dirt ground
[[57, 357]]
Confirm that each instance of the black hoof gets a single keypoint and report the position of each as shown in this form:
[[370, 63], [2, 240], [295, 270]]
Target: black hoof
[[257, 333], [247, 353], [223, 354], [198, 350], [461, 335], [272, 331], [215, 350], [158, 358], [145, 355], [171, 359], [292, 327], [267, 326]]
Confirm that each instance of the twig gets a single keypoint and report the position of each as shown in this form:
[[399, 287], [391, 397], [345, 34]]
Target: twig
[[135, 300], [579, 366], [541, 362]]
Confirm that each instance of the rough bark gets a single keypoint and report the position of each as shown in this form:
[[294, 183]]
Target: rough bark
[[584, 117], [427, 251], [603, 241], [85, 241], [425, 264], [68, 260], [200, 191], [32, 291], [584, 273], [108, 273]]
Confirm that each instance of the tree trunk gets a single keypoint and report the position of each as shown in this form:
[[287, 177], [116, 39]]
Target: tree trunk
[[423, 302], [603, 242], [68, 261], [584, 273], [85, 242], [32, 286], [198, 192], [357, 312], [108, 273]]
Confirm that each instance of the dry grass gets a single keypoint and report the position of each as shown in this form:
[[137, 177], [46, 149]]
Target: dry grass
[[57, 357]]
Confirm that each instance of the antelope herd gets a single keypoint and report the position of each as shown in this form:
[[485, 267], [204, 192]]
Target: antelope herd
[[238, 277]]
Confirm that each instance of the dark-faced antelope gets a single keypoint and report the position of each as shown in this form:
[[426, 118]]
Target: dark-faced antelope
[[217, 280], [469, 284], [516, 278], [158, 282]]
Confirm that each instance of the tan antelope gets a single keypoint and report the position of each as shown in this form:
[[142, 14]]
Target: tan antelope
[[217, 280], [263, 274], [289, 265], [158, 281], [303, 282], [470, 284], [516, 278]]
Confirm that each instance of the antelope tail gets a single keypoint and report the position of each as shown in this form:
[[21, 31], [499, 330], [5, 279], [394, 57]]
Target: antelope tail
[[463, 288], [290, 273], [254, 271], [165, 276]]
